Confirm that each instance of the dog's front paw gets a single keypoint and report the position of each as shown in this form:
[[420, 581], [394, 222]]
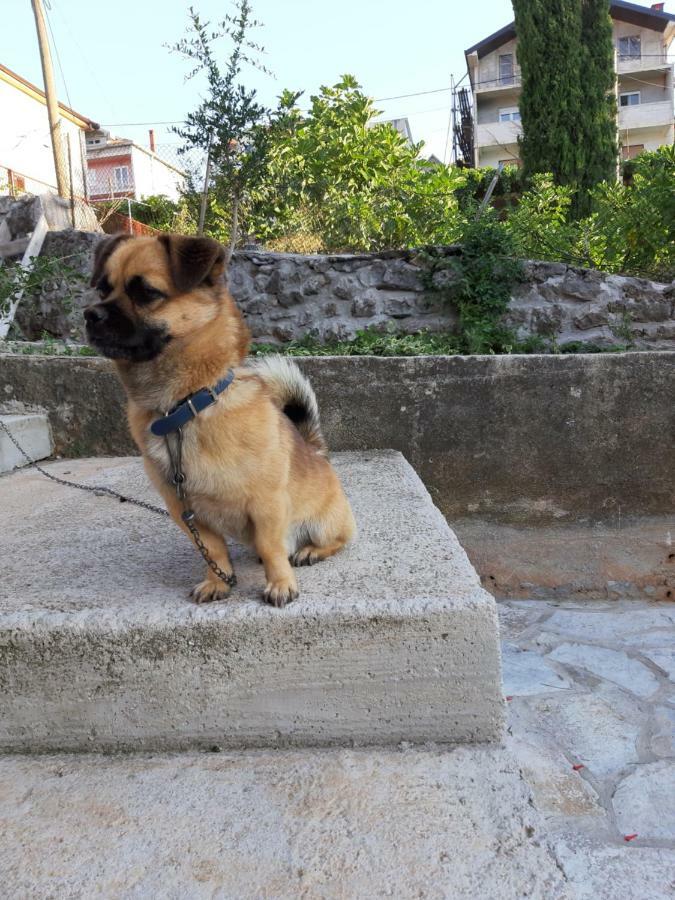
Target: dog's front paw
[[279, 593], [207, 591]]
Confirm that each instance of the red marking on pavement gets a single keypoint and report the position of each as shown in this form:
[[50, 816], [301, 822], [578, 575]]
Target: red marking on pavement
[[509, 698], [629, 837], [578, 766]]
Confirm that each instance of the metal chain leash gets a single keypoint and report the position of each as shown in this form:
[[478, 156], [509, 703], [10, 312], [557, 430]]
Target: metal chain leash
[[93, 489], [178, 479], [188, 515]]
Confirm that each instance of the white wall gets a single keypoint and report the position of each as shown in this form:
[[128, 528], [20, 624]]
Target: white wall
[[151, 176], [25, 145]]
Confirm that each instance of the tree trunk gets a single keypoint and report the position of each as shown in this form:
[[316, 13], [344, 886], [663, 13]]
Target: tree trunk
[[234, 230]]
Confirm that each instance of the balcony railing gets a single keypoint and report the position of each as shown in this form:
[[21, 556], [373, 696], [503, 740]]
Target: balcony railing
[[641, 63], [499, 83], [497, 134]]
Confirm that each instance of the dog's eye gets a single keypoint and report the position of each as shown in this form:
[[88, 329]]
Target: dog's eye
[[153, 294], [141, 292]]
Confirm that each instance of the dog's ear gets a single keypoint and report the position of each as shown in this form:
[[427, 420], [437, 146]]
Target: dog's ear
[[193, 260], [102, 253]]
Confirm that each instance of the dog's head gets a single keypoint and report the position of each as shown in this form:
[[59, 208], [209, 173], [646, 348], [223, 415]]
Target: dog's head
[[153, 291]]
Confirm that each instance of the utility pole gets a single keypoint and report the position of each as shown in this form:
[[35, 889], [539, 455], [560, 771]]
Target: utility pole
[[52, 102]]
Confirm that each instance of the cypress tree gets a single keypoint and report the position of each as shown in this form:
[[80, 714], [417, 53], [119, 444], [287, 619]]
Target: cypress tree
[[565, 53], [549, 54], [599, 112]]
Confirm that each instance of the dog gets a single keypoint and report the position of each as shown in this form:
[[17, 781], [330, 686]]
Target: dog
[[255, 460]]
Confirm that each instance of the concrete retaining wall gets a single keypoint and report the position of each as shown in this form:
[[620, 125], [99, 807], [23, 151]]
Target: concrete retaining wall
[[548, 439]]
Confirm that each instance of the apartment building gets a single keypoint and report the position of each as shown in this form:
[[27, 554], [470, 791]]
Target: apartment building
[[643, 37]]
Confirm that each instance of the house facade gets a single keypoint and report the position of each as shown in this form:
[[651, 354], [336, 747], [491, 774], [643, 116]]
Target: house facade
[[119, 168], [26, 156], [643, 37]]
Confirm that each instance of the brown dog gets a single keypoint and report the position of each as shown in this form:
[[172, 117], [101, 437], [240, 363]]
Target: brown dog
[[254, 460]]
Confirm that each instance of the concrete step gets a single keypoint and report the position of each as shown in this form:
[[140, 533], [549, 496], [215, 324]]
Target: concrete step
[[274, 824], [392, 640], [32, 431]]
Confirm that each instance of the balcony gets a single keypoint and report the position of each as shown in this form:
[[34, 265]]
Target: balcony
[[507, 83], [646, 63], [646, 115], [497, 134]]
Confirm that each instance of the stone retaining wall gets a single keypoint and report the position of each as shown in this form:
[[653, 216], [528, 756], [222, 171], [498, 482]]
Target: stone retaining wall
[[286, 297]]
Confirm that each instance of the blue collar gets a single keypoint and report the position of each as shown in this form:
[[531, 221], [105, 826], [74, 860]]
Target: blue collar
[[187, 409]]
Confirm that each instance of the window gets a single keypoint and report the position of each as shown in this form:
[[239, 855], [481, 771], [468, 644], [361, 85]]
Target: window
[[630, 99], [630, 47], [632, 151], [506, 69], [512, 114], [121, 178]]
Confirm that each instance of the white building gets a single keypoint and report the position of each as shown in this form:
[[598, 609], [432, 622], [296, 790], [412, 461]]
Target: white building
[[643, 38], [26, 156], [118, 167]]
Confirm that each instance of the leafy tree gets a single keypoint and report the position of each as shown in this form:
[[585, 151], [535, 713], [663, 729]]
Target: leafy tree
[[356, 184], [539, 225], [632, 227], [230, 125]]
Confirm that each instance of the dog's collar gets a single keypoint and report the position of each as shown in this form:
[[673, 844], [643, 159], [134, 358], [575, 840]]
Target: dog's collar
[[188, 408]]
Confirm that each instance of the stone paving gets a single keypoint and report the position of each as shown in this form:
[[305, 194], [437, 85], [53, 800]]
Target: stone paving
[[591, 696]]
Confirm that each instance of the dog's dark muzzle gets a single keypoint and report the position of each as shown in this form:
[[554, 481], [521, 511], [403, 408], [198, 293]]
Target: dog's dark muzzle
[[117, 337]]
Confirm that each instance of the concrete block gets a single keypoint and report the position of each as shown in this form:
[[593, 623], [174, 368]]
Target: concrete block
[[32, 431], [393, 640], [292, 824]]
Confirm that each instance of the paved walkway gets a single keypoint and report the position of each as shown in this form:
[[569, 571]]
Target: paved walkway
[[592, 723]]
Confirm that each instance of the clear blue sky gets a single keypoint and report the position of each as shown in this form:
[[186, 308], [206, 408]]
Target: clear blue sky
[[117, 70]]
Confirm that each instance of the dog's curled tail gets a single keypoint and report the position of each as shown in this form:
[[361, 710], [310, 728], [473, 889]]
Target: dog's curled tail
[[294, 395]]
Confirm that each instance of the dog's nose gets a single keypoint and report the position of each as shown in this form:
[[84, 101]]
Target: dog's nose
[[94, 315]]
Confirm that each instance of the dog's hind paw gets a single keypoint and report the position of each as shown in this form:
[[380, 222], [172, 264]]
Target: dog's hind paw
[[306, 556], [279, 593], [208, 591]]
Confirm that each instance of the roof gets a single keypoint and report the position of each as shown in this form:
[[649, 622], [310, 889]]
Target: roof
[[632, 13], [38, 94]]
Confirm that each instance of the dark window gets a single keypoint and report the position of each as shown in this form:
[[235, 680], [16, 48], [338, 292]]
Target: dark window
[[630, 47], [506, 69]]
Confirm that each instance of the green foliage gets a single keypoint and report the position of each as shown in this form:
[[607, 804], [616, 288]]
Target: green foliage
[[549, 51], [356, 184], [478, 283], [632, 227], [477, 181], [540, 225], [565, 52], [164, 214], [369, 342], [597, 123]]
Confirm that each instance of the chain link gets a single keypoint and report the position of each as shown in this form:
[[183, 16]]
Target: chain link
[[178, 479]]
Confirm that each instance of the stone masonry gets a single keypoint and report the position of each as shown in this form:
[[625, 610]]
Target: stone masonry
[[287, 297]]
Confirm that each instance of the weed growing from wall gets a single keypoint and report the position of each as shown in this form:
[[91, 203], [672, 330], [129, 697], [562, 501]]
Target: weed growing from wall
[[478, 284]]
